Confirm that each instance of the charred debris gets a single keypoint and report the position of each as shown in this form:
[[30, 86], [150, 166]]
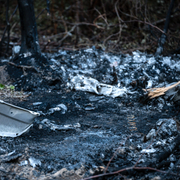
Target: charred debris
[[101, 115]]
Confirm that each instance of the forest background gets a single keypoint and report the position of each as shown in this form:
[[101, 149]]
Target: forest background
[[115, 26]]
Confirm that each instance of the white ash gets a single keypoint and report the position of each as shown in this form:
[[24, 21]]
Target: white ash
[[34, 162]]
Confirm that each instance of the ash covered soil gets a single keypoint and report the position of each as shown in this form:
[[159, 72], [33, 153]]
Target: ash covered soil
[[87, 128]]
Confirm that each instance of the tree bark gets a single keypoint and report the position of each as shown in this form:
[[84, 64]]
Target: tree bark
[[29, 35]]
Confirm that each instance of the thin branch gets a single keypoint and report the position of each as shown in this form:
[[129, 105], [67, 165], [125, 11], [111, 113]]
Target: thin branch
[[101, 16], [130, 168], [56, 35], [137, 20], [144, 22], [164, 19], [120, 20], [116, 151], [67, 34], [110, 37], [83, 23], [13, 13], [40, 13]]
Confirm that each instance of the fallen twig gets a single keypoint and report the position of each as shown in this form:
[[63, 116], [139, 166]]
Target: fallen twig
[[23, 67], [116, 152], [67, 34], [156, 92]]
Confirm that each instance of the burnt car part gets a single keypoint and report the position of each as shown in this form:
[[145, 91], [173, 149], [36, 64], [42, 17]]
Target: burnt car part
[[14, 120]]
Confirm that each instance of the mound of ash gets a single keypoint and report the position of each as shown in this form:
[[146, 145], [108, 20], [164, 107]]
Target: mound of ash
[[33, 73], [79, 133], [136, 73]]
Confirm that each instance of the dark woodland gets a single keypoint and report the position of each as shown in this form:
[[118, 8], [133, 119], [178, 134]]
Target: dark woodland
[[116, 26]]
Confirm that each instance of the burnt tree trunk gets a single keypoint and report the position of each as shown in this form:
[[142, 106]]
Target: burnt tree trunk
[[29, 35], [163, 36]]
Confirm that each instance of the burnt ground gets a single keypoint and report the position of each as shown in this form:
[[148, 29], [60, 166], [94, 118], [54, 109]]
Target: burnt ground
[[78, 142]]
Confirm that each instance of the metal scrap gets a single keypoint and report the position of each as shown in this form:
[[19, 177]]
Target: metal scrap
[[14, 120]]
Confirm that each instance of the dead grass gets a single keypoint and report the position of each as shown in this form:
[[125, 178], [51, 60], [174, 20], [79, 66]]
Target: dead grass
[[7, 93]]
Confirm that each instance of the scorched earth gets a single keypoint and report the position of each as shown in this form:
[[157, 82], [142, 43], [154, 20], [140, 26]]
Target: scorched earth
[[96, 119]]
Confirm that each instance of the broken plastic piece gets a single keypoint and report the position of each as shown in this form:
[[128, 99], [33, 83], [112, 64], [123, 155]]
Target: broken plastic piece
[[14, 120]]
